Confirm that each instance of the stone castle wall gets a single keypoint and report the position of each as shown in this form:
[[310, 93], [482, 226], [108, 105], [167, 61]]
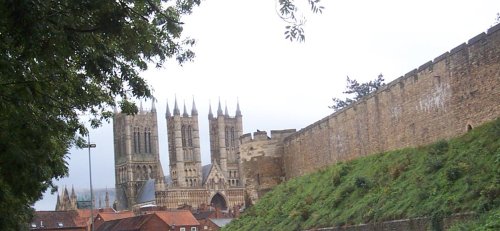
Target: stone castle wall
[[443, 98], [262, 161]]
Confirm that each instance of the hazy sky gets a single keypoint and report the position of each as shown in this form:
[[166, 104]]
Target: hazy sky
[[241, 54]]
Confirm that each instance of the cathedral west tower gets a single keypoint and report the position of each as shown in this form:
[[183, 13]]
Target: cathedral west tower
[[184, 147], [137, 158], [224, 142]]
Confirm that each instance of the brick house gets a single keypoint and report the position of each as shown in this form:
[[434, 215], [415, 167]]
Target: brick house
[[181, 220], [58, 220]]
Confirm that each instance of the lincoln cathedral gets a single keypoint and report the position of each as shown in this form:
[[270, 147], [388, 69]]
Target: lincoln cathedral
[[140, 180]]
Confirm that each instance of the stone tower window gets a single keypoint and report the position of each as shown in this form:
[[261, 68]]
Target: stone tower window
[[190, 136], [183, 133], [232, 136], [227, 137], [147, 140], [135, 140]]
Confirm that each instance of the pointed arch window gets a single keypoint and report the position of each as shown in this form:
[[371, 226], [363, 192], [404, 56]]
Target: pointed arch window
[[183, 134], [147, 140], [226, 136], [190, 136], [137, 140], [232, 136]]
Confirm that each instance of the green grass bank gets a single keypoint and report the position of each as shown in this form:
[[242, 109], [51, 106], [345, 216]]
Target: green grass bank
[[452, 176]]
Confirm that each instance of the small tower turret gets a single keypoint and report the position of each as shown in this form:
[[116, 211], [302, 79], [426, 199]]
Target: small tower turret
[[176, 108], [167, 114], [226, 113], [153, 107], [210, 114], [194, 111], [238, 111], [219, 110], [184, 113]]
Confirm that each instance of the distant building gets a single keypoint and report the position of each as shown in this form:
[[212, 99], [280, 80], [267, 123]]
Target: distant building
[[138, 172], [66, 201]]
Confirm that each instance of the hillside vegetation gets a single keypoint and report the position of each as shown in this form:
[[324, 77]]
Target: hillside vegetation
[[458, 175]]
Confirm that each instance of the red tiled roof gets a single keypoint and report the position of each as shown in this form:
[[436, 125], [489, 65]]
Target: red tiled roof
[[180, 217], [56, 219], [108, 216], [129, 223]]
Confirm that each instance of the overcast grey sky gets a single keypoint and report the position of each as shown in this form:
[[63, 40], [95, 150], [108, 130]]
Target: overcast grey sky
[[241, 53]]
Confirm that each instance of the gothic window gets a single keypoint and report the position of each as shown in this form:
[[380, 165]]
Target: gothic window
[[147, 140], [135, 140], [138, 141], [232, 136], [183, 133], [227, 137], [190, 137]]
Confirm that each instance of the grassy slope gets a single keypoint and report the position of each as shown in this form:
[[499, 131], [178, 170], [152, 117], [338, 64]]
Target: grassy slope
[[458, 175]]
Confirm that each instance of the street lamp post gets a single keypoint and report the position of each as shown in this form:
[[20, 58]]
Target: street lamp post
[[89, 146]]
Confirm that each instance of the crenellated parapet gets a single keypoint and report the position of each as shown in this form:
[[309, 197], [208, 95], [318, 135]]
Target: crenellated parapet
[[261, 158]]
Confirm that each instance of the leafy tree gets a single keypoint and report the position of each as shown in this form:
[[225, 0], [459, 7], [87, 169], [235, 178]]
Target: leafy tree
[[289, 12], [60, 59], [359, 90]]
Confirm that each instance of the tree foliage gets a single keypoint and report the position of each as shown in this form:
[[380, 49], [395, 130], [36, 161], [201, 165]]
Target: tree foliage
[[290, 13], [63, 59], [359, 90]]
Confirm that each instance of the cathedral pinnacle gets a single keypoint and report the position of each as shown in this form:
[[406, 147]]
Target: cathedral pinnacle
[[176, 108], [167, 114], [238, 111], [226, 114], [140, 107], [219, 110], [153, 107], [184, 113], [73, 195], [210, 114], [194, 112]]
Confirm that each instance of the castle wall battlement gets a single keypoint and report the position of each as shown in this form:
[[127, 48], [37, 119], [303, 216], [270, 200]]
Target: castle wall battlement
[[262, 135], [440, 99]]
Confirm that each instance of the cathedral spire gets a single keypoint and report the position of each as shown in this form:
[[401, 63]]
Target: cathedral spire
[[58, 202], [184, 113], [140, 106], [219, 110], [238, 111], [167, 114], [194, 111], [210, 114], [73, 195], [225, 111], [176, 108], [153, 107]]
